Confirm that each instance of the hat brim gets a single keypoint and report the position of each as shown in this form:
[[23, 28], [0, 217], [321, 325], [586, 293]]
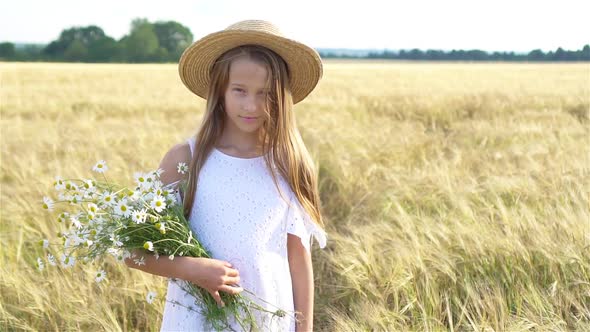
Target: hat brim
[[304, 63]]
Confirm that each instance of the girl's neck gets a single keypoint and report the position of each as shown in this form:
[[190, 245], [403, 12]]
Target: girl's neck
[[240, 144]]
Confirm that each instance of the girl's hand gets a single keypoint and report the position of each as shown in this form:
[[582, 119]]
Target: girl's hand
[[213, 275]]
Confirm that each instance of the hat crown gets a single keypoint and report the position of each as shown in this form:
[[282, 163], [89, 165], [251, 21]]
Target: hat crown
[[304, 64], [256, 25]]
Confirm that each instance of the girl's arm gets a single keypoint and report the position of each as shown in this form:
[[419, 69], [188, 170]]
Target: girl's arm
[[211, 274], [162, 266], [302, 278]]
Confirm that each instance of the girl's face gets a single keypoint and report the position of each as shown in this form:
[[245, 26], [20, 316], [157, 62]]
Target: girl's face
[[245, 95]]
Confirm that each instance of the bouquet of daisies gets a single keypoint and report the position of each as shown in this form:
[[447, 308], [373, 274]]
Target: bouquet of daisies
[[102, 219]]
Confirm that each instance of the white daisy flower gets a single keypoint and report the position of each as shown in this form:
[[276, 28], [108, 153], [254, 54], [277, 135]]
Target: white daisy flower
[[88, 184], [71, 186], [44, 243], [40, 264], [51, 259], [92, 207], [76, 222], [63, 217], [158, 191], [107, 198], [149, 196], [47, 203], [88, 242], [151, 177], [156, 183], [182, 168], [67, 261], [117, 254], [141, 179], [75, 199], [158, 203], [98, 220], [120, 258], [139, 216], [148, 245], [90, 193], [140, 261], [156, 255], [151, 296], [135, 196], [161, 226], [59, 183], [158, 172], [100, 167], [76, 239], [116, 241], [123, 208], [100, 276], [171, 257], [190, 237]]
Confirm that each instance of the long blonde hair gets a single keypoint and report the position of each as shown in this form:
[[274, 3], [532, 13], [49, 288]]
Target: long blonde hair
[[281, 141]]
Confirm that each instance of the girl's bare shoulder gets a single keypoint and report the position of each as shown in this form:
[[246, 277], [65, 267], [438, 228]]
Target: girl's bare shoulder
[[179, 153]]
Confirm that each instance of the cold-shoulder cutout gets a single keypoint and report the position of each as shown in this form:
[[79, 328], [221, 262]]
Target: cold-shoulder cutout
[[180, 152]]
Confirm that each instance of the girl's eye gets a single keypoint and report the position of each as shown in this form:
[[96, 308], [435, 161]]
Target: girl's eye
[[238, 89]]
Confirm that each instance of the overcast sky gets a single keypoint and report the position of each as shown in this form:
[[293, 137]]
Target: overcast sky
[[497, 25]]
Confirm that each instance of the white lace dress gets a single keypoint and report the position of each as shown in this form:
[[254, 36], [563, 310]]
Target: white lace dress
[[239, 216]]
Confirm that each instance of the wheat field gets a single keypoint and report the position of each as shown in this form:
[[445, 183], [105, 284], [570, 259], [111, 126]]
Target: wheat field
[[456, 195]]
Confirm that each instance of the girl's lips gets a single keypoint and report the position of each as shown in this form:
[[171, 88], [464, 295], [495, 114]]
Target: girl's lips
[[249, 120]]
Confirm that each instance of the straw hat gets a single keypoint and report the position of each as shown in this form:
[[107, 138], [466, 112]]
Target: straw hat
[[304, 63]]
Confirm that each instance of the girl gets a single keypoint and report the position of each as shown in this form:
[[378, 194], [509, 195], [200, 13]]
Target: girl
[[252, 198]]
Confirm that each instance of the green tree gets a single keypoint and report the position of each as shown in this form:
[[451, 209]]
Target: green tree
[[103, 50], [536, 55], [141, 45], [173, 37], [84, 35], [7, 50], [76, 51]]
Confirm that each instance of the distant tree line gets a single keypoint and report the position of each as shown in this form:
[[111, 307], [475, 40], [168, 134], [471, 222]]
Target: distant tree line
[[146, 42], [478, 55], [165, 42]]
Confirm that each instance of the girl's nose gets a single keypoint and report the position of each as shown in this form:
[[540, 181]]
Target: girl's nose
[[250, 104]]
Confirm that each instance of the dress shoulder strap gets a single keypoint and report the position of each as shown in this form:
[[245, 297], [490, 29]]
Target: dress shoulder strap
[[191, 144]]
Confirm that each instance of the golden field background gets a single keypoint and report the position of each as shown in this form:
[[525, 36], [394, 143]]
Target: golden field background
[[456, 195]]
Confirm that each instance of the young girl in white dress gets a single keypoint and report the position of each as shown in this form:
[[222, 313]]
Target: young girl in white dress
[[252, 199]]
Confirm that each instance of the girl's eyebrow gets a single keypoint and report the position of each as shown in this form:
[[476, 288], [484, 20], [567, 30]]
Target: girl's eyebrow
[[242, 85]]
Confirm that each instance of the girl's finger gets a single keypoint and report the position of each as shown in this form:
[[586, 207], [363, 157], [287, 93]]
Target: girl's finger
[[232, 280], [217, 298], [231, 290], [232, 273]]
